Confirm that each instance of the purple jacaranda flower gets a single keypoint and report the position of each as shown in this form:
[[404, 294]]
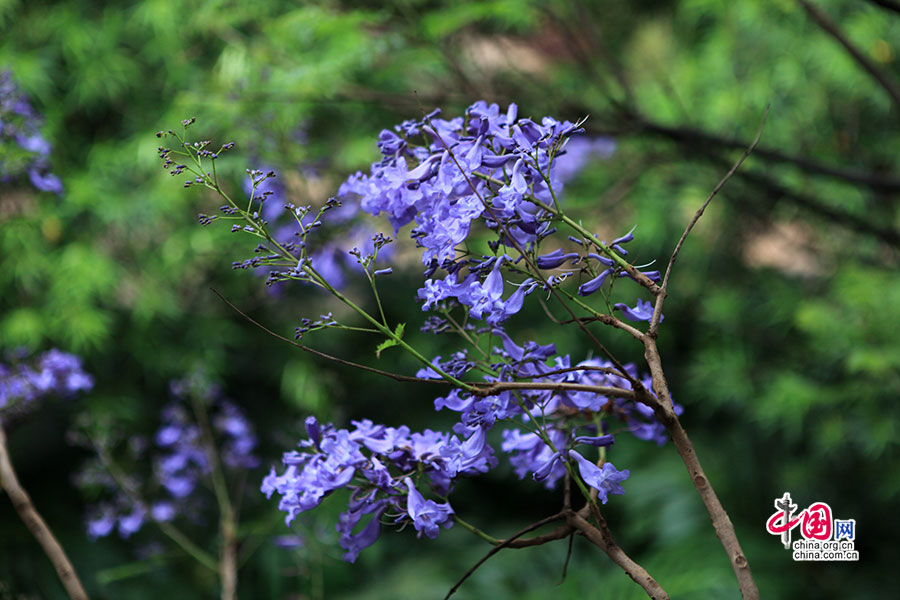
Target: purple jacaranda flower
[[529, 454], [642, 312], [290, 542], [54, 372], [605, 480], [427, 515], [586, 289], [368, 535], [130, 524], [596, 441], [163, 511], [102, 523], [556, 259]]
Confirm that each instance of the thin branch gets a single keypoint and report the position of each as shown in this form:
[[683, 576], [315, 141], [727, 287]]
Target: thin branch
[[495, 388], [37, 526], [508, 543], [480, 389], [889, 84], [664, 411], [839, 217], [704, 139], [611, 321], [657, 309], [699, 143], [602, 538], [320, 354], [228, 568]]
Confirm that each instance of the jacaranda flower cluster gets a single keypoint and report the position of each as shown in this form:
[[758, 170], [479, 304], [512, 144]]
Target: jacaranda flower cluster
[[24, 383], [482, 192], [181, 459]]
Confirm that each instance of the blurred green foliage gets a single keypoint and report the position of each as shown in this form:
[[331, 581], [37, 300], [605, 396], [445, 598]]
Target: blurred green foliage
[[781, 338]]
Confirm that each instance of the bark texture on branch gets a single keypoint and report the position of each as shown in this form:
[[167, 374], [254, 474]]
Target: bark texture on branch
[[37, 526]]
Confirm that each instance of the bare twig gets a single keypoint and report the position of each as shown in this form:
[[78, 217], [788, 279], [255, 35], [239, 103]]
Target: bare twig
[[665, 412], [703, 139], [507, 543], [839, 217], [495, 388], [480, 389], [611, 321], [37, 526], [320, 354], [660, 299], [889, 84], [602, 538], [842, 218]]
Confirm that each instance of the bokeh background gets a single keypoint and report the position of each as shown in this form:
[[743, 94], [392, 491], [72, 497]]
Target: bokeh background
[[782, 331]]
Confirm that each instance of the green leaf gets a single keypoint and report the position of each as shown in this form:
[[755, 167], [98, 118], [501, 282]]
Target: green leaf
[[398, 332]]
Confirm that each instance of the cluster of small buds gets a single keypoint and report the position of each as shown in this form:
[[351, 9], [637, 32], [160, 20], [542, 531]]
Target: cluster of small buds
[[250, 263], [307, 325], [206, 219], [380, 240]]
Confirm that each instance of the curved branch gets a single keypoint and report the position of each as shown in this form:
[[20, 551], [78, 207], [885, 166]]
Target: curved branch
[[888, 83], [657, 309], [508, 543], [663, 408], [602, 538], [37, 526]]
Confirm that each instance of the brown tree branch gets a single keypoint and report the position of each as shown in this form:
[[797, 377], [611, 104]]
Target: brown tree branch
[[602, 538], [839, 217], [37, 526], [701, 147], [704, 139], [664, 410], [889, 84], [661, 298], [508, 543]]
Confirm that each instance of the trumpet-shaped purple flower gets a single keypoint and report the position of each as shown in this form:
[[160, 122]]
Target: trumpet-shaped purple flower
[[643, 311], [427, 515], [605, 480]]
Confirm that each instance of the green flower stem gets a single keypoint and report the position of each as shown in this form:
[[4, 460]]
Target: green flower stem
[[489, 539], [260, 231], [560, 214]]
